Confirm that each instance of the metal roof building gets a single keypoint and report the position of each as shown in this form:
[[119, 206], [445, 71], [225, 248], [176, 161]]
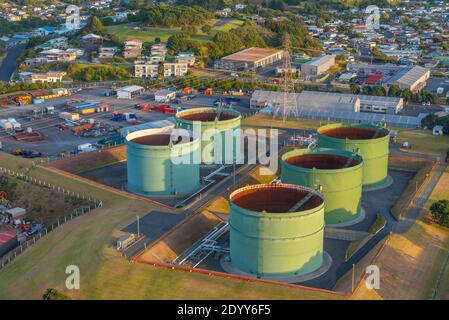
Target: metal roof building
[[251, 58], [129, 92], [328, 101], [318, 65], [412, 78]]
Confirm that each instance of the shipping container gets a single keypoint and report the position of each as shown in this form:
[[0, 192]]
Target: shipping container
[[87, 111]]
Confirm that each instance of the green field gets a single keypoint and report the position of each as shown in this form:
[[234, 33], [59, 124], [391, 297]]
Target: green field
[[423, 141], [87, 242], [149, 34], [262, 120]]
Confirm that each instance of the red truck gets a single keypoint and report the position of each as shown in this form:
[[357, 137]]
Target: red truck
[[166, 109], [143, 107]]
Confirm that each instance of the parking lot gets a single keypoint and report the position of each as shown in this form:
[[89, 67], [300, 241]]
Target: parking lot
[[58, 141]]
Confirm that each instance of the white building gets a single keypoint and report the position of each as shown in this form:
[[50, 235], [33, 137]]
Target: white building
[[164, 95], [317, 66], [129, 92]]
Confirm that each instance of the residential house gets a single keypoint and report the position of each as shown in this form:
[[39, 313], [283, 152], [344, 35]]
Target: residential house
[[50, 76], [132, 49], [186, 57]]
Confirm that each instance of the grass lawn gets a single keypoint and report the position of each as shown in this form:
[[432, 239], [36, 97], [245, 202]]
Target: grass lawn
[[423, 141], [124, 32], [149, 34], [410, 263], [441, 192], [87, 242]]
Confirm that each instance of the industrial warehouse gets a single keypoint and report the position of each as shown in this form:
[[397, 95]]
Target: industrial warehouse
[[251, 58], [328, 101]]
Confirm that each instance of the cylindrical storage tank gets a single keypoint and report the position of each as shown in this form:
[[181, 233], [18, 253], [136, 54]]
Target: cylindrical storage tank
[[370, 141], [276, 230], [162, 162], [336, 173], [219, 138]]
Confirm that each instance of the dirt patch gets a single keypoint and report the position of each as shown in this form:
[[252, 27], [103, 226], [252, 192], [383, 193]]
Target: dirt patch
[[181, 239], [90, 160]]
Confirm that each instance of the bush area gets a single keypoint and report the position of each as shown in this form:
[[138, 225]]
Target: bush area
[[97, 72], [42, 204]]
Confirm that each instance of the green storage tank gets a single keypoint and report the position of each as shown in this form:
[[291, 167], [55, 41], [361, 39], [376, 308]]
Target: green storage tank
[[276, 230], [150, 168], [370, 141], [337, 174], [204, 122]]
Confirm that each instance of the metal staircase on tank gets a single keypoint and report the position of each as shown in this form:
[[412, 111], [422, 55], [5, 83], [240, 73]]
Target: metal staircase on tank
[[301, 202]]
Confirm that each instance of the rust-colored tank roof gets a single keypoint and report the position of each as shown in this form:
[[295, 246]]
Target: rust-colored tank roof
[[321, 161], [275, 198], [207, 116], [353, 133], [158, 140]]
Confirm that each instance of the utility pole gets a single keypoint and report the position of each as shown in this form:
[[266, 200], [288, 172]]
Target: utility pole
[[353, 278], [233, 175], [138, 226], [289, 104]]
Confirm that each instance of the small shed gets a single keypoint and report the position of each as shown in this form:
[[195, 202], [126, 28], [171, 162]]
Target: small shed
[[164, 95], [437, 130]]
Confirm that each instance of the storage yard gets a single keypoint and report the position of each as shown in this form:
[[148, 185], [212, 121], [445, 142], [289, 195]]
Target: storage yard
[[63, 122]]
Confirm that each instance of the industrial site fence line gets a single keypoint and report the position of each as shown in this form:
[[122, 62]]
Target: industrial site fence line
[[93, 204]]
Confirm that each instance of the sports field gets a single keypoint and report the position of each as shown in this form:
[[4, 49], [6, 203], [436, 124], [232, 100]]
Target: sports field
[[149, 34], [87, 242]]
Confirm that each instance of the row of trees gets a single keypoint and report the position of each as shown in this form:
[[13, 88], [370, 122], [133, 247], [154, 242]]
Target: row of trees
[[171, 16], [394, 91], [7, 87], [248, 35], [432, 120], [8, 28]]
